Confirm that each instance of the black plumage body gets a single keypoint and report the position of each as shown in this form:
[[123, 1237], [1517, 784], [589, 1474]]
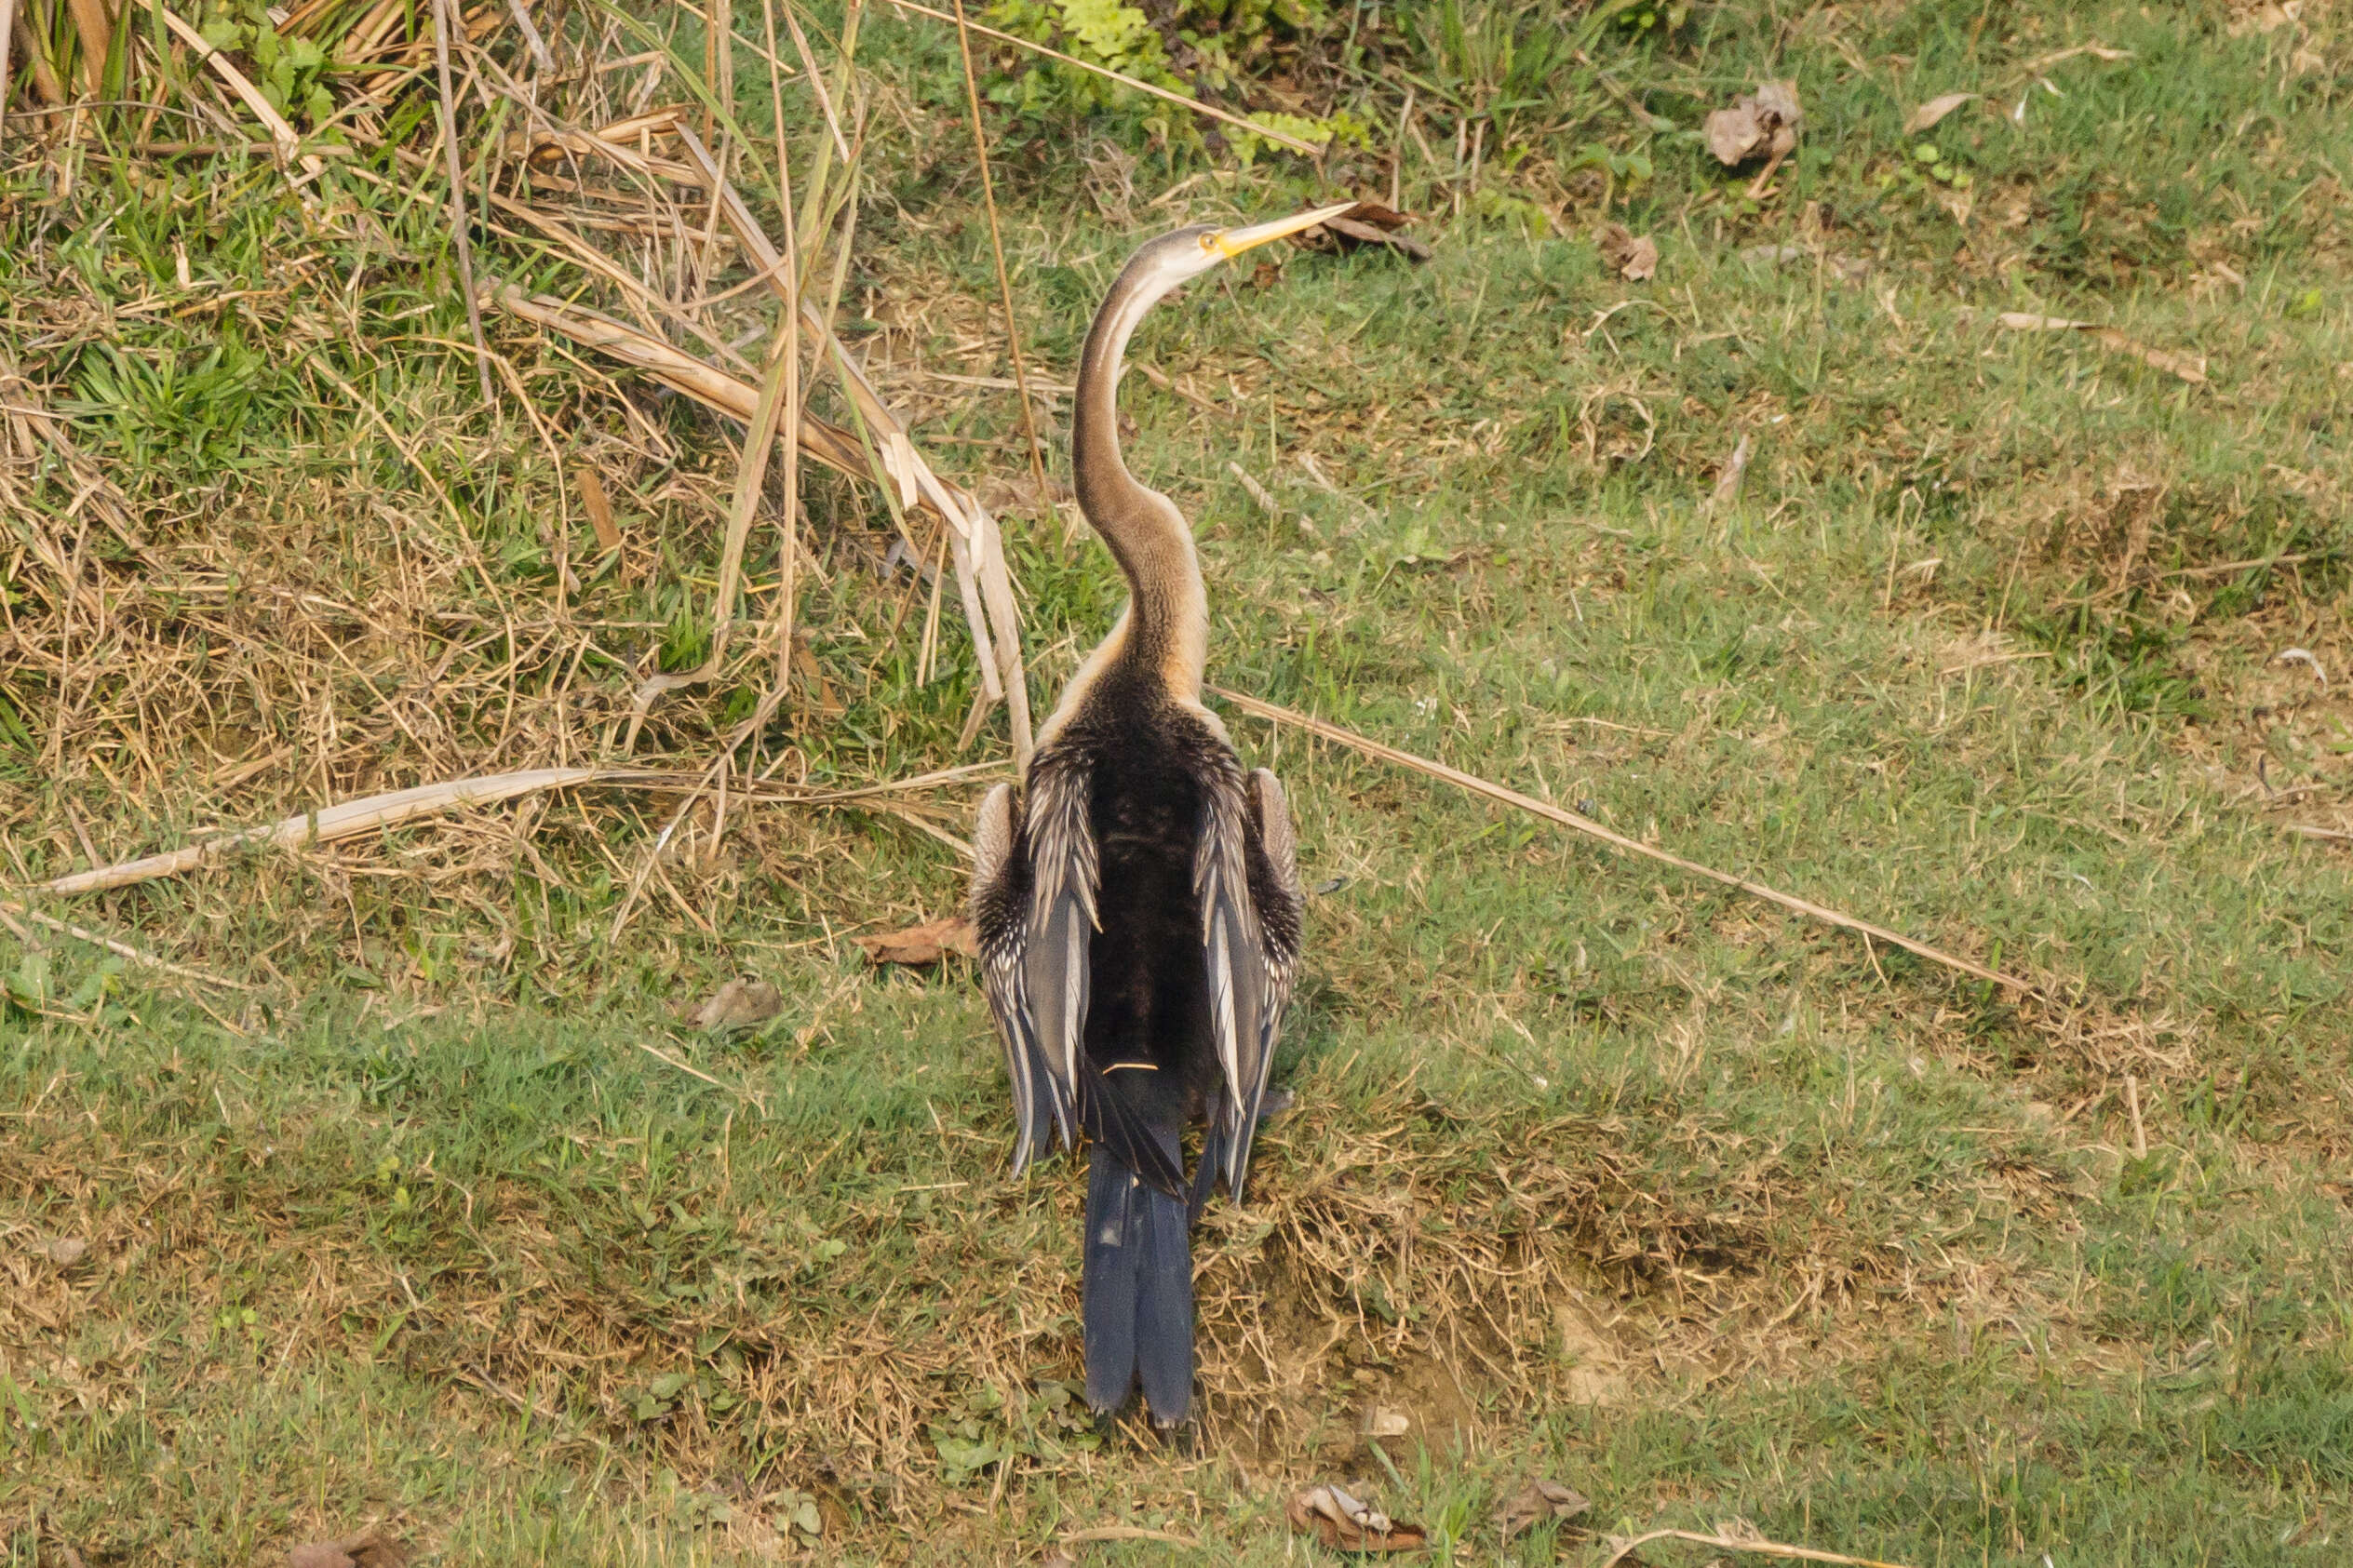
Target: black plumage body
[[1147, 1028]]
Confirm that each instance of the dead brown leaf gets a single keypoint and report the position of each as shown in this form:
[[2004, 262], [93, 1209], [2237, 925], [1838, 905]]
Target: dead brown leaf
[[599, 507], [1379, 216], [813, 684], [1632, 258], [1541, 1502], [1935, 109], [1345, 1524], [740, 1004], [1765, 121], [1265, 275], [1369, 222], [924, 943]]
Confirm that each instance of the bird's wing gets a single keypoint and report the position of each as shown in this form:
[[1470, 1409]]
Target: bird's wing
[[1064, 873], [1274, 888], [1002, 880], [1246, 875]]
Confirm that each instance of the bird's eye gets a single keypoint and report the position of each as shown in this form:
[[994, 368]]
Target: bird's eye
[[1209, 240]]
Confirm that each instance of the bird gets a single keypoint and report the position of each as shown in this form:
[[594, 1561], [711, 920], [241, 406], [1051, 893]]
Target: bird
[[1135, 903]]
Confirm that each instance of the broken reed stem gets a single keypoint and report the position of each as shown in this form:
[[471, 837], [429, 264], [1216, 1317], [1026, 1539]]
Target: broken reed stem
[[375, 812], [121, 949], [458, 227], [980, 563], [2132, 1104], [787, 590], [816, 84], [1586, 826], [1127, 1533], [1727, 1542], [7, 34], [1122, 78], [997, 247], [780, 404]]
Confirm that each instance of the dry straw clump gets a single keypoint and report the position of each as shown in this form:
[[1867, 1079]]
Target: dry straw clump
[[489, 556]]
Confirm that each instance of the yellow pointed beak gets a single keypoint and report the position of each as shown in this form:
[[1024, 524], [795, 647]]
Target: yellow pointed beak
[[1230, 243]]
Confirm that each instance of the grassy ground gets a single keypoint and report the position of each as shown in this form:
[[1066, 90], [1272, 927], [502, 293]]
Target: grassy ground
[[451, 1225]]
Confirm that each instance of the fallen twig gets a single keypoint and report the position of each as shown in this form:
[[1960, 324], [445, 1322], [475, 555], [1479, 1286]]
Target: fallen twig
[[1127, 1533], [374, 812], [2190, 367], [460, 230], [1592, 829], [1193, 103], [1735, 1543], [120, 948]]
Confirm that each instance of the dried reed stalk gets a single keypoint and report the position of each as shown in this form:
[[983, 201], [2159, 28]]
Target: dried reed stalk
[[1586, 826], [681, 372], [979, 550], [461, 233], [1625, 1550], [94, 30], [1194, 104], [374, 812], [975, 543], [7, 34], [997, 248], [121, 949]]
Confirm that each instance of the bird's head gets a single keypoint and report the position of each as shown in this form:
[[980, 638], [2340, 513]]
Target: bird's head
[[1187, 253]]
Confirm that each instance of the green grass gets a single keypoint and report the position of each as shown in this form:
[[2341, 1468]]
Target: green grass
[[1851, 1248]]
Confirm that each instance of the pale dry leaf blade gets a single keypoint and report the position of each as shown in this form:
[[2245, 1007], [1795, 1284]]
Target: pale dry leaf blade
[[1935, 109], [926, 944], [1541, 1501], [2190, 367], [2303, 656]]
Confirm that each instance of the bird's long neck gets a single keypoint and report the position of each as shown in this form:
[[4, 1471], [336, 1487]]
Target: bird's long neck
[[1165, 629]]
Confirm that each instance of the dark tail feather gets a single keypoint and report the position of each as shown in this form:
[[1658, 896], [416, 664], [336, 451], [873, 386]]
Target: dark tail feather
[[1138, 1292]]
